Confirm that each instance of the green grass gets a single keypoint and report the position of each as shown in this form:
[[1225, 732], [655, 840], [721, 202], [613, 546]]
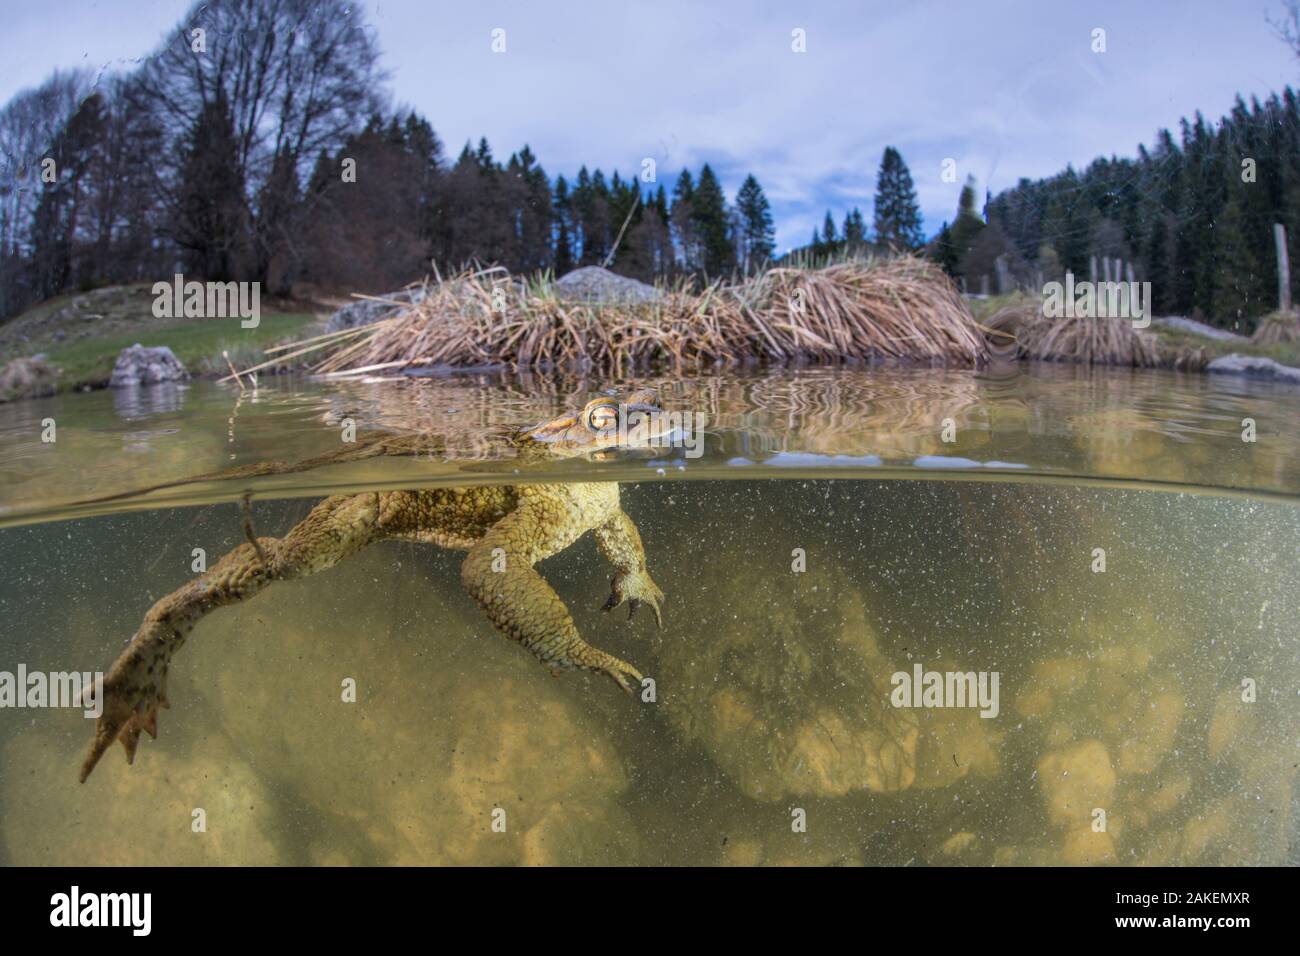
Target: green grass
[[197, 343], [1283, 353]]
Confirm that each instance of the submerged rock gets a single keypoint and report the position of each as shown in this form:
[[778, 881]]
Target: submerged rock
[[137, 365], [141, 816], [453, 729], [1075, 781], [790, 694], [595, 285]]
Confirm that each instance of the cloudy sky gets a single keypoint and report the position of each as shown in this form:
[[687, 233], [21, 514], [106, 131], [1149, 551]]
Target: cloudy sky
[[1006, 88]]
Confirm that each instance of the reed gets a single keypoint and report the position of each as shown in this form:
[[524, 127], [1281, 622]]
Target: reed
[[1278, 328], [901, 309], [1091, 341]]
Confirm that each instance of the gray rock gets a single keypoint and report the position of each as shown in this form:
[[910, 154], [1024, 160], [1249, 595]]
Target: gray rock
[[1199, 328], [1255, 366], [138, 365], [367, 311], [592, 284]]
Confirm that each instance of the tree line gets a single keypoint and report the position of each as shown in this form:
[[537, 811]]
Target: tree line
[[254, 144], [1193, 214]]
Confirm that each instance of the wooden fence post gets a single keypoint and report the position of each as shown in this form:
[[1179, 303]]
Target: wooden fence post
[[1283, 268]]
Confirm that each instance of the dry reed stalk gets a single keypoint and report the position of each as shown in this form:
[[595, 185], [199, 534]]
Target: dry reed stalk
[[1091, 341], [904, 309], [1277, 328]]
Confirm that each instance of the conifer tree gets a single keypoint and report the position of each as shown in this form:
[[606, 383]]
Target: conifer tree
[[562, 212], [967, 227], [898, 216], [682, 217], [829, 239], [711, 222], [755, 236]]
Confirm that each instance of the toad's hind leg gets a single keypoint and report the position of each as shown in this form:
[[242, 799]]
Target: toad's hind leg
[[136, 685], [498, 573]]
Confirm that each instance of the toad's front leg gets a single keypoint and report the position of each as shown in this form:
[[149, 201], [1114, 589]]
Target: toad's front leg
[[498, 573], [620, 543]]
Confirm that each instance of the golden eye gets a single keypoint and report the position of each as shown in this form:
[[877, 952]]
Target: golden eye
[[603, 417]]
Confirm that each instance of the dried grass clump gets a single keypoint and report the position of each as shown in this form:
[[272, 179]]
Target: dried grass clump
[[27, 378], [1278, 328], [1091, 341], [902, 308]]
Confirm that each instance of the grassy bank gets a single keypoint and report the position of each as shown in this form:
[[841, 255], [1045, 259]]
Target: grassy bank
[[198, 343], [81, 334]]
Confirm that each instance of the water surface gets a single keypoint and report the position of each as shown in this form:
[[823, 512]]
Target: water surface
[[828, 539]]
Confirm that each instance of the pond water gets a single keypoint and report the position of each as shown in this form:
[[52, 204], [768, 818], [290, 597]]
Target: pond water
[[1105, 559]]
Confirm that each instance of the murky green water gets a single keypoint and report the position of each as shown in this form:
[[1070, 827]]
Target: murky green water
[[828, 540]]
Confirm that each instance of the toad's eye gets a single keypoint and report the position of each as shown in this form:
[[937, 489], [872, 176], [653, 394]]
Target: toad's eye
[[603, 417]]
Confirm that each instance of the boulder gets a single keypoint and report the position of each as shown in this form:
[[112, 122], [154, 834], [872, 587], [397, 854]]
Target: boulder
[[137, 365], [594, 285], [367, 311], [1254, 366], [790, 695], [1199, 328]]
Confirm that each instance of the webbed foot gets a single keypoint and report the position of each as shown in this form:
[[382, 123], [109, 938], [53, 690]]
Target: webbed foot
[[636, 588], [618, 671], [133, 690]]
